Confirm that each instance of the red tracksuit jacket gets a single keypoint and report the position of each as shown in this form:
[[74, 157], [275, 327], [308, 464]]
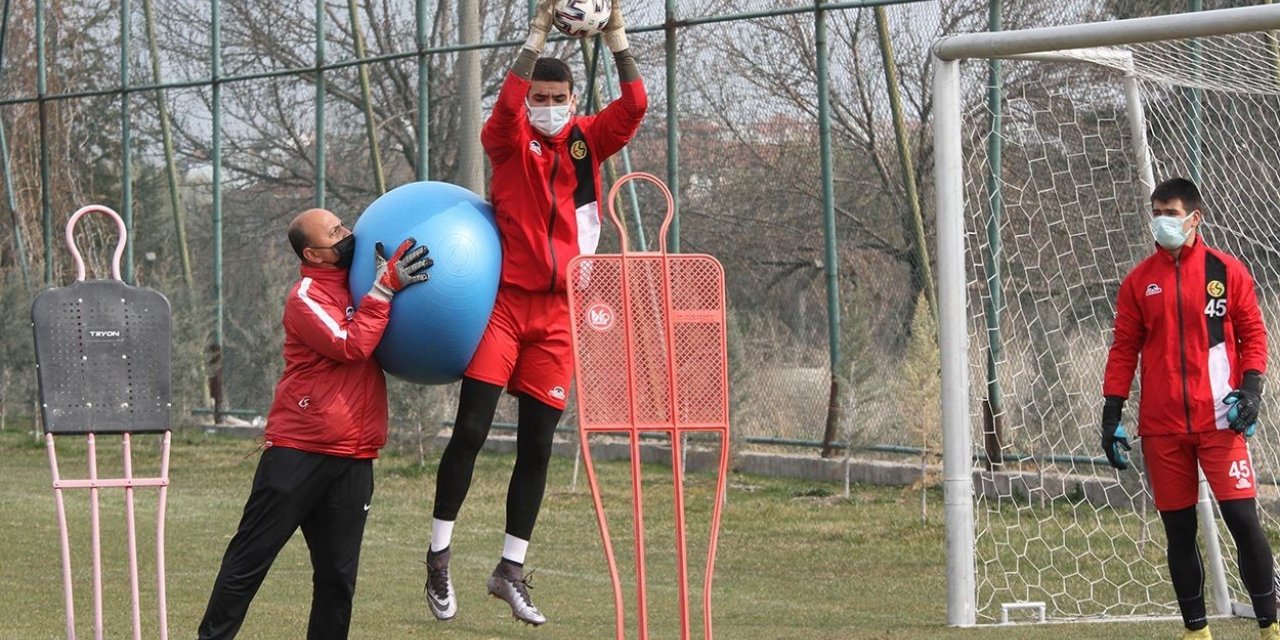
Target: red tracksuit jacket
[[1196, 323], [332, 397], [545, 190]]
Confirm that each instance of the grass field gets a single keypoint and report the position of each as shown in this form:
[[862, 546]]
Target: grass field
[[796, 561]]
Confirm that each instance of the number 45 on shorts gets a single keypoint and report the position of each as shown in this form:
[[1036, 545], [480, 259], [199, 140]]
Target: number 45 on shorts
[[1242, 473]]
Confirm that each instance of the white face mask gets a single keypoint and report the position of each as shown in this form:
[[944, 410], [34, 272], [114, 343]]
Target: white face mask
[[1168, 231], [549, 120]]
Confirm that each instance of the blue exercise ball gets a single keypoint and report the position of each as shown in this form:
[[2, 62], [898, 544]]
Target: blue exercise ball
[[436, 325]]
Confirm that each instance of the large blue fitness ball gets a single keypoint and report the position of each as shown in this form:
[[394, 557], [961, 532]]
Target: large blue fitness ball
[[436, 325]]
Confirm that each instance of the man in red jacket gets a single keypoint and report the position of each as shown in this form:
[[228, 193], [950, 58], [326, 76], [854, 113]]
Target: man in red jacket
[[545, 192], [1189, 312], [325, 427]]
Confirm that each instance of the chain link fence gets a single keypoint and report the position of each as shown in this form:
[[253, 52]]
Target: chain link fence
[[330, 103]]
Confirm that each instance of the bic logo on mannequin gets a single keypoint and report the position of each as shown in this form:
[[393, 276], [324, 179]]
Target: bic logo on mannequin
[[600, 317]]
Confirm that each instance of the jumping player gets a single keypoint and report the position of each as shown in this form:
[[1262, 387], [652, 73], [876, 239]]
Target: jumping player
[[545, 187]]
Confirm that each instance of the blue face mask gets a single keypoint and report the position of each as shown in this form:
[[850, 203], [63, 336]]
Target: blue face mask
[[1168, 231]]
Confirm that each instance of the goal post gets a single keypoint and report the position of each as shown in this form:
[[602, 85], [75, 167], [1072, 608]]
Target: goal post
[[1099, 111]]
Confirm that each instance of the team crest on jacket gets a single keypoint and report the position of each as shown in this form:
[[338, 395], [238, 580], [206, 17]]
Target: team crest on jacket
[[1153, 289], [578, 150], [535, 147], [1216, 289], [351, 313]]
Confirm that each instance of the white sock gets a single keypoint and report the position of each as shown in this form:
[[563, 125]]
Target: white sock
[[514, 549], [441, 534]]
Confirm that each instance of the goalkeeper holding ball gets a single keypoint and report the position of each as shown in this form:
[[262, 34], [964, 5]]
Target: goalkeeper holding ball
[[1190, 313], [545, 191]]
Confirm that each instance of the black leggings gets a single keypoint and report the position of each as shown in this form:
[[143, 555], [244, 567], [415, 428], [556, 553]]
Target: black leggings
[[1254, 555], [535, 429], [1254, 558]]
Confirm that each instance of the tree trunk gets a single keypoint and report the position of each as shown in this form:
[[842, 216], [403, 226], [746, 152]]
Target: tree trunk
[[833, 418]]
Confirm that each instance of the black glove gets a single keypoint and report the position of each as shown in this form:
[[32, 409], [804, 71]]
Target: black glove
[[1245, 401], [1114, 437]]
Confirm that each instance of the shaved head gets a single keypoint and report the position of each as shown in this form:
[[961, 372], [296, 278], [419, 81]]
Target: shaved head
[[315, 229]]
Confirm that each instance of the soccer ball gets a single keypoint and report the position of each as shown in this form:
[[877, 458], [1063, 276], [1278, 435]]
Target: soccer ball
[[581, 18]]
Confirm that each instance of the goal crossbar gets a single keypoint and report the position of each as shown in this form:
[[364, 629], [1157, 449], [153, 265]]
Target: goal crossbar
[[1003, 44]]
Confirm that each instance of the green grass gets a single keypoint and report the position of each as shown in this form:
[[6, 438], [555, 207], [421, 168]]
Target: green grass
[[796, 561]]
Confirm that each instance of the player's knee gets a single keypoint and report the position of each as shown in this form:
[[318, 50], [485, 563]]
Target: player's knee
[[476, 405], [468, 436], [534, 457], [1240, 516], [1180, 528]]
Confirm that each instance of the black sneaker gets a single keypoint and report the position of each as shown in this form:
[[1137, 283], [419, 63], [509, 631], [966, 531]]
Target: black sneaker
[[441, 598], [510, 585]]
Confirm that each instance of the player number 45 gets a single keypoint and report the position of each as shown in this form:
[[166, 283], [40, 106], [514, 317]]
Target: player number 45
[[1240, 469], [1216, 308]]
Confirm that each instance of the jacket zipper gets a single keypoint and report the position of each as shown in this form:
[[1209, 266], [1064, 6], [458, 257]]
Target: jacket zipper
[[1182, 344], [551, 223]]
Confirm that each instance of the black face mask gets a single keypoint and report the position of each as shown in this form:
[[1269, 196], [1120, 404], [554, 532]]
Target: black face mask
[[346, 250]]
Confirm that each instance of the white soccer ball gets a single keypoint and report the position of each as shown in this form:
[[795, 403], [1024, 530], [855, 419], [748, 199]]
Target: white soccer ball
[[581, 18]]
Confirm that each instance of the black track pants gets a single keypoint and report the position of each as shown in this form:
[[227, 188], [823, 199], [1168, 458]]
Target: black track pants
[[329, 497]]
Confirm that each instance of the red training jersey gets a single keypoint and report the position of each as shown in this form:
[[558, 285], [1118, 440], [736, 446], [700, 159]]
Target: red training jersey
[[332, 396], [1196, 324], [545, 190]]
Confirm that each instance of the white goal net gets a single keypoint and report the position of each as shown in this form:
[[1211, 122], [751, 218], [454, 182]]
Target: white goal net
[[1055, 213]]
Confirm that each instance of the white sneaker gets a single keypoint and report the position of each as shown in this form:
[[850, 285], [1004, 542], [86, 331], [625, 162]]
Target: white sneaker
[[441, 598], [510, 585]]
